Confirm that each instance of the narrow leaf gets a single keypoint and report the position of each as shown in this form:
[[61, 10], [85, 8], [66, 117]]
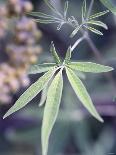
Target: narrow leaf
[[40, 68], [93, 30], [82, 93], [110, 5], [54, 53], [41, 15], [98, 23], [99, 14], [84, 9], [43, 96], [89, 67], [68, 55], [46, 21], [51, 110], [75, 31], [30, 93], [66, 8]]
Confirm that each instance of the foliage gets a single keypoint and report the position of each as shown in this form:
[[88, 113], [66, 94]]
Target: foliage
[[52, 81]]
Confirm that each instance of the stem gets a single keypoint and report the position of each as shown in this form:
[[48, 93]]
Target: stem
[[77, 42]]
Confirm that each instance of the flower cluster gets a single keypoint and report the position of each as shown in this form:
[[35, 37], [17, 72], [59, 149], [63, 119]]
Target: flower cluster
[[20, 35]]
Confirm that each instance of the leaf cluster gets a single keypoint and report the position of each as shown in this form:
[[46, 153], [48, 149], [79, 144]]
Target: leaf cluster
[[51, 84]]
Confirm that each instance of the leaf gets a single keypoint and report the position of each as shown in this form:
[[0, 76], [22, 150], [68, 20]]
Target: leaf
[[98, 23], [110, 5], [41, 15], [68, 55], [75, 31], [51, 110], [40, 68], [66, 8], [30, 93], [82, 93], [81, 75], [89, 67], [99, 14], [54, 53], [84, 9], [43, 96], [93, 30], [46, 21]]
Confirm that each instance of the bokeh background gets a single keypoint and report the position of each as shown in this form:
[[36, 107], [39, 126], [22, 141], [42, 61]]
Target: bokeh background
[[75, 131]]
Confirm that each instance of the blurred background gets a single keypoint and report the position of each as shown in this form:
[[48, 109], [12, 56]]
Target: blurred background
[[23, 43]]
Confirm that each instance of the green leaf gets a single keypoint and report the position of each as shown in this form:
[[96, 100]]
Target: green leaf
[[41, 15], [30, 93], [93, 30], [66, 8], [98, 23], [75, 31], [46, 21], [84, 9], [40, 68], [99, 14], [51, 110], [68, 55], [43, 96], [110, 5], [89, 67], [82, 93], [54, 53]]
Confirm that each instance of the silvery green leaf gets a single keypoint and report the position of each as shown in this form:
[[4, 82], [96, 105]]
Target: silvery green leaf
[[98, 23], [54, 53], [68, 55], [84, 9], [94, 30], [30, 93], [82, 93], [41, 15], [110, 5], [40, 68], [89, 67], [46, 21], [51, 109], [99, 14], [75, 31], [66, 8]]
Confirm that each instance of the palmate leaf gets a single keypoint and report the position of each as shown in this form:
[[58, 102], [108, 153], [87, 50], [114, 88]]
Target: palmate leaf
[[41, 68], [89, 67], [99, 14], [110, 5], [98, 23], [51, 109], [30, 93], [82, 93]]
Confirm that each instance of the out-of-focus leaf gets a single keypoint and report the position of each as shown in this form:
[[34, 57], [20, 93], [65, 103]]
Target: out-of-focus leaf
[[54, 53], [51, 109], [30, 93], [41, 15], [84, 9], [99, 14], [46, 21], [75, 31], [98, 23], [89, 67], [66, 8], [110, 5], [82, 93], [94, 30], [40, 68]]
